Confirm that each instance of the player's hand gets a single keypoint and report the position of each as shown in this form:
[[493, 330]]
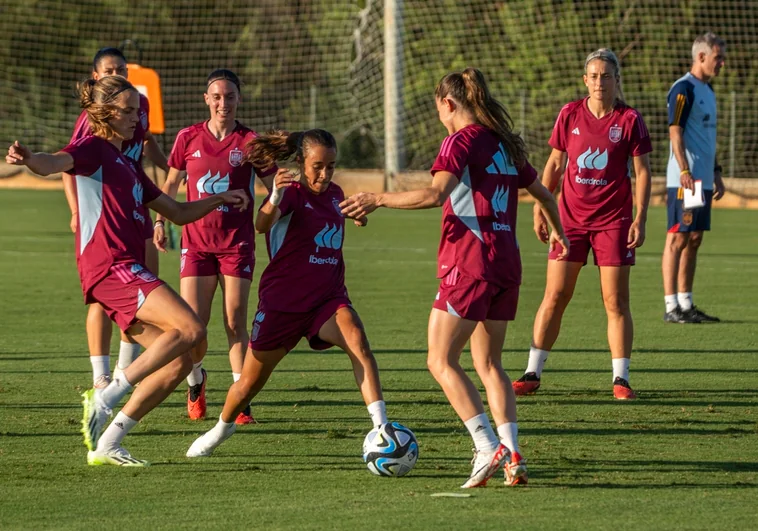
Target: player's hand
[[361, 222], [559, 240], [540, 225], [718, 182], [636, 234], [18, 154], [284, 178], [159, 237], [74, 222], [359, 205], [687, 181], [236, 198]]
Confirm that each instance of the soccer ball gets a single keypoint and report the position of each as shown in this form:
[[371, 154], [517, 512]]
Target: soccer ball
[[390, 450]]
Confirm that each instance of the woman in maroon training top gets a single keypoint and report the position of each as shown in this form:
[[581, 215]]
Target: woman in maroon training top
[[111, 62], [302, 291], [113, 194], [479, 170], [594, 140]]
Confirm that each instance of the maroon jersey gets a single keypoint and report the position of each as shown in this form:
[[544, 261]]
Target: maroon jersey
[[479, 217], [131, 148], [214, 166], [111, 193], [597, 188], [305, 248]]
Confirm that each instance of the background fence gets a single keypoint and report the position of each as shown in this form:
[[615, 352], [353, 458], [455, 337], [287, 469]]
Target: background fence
[[320, 63]]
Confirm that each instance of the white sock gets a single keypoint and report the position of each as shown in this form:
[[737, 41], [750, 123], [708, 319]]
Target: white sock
[[685, 300], [620, 368], [508, 434], [537, 359], [481, 431], [101, 366], [671, 302], [196, 376], [222, 427], [127, 353], [115, 433], [116, 390], [378, 412], [236, 376]]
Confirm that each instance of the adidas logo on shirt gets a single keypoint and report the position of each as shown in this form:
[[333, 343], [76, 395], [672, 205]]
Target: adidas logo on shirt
[[308, 205], [575, 131], [196, 154], [118, 161]]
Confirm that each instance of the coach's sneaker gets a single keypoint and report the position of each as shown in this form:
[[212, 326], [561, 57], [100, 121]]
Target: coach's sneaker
[[119, 456], [209, 441], [527, 384], [486, 465], [515, 470], [94, 419], [701, 316], [196, 405], [675, 316], [102, 381], [245, 417], [622, 391]]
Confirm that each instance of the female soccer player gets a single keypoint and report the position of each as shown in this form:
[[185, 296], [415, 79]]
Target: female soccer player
[[593, 140], [112, 194], [477, 174], [302, 291], [111, 62], [220, 248]]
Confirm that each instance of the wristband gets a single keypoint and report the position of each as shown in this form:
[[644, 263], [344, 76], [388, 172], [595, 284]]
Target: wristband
[[158, 221], [685, 172], [277, 194]]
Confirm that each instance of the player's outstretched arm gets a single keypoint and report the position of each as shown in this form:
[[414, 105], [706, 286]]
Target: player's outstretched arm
[[183, 213], [360, 205], [174, 178], [41, 163], [643, 181], [549, 208]]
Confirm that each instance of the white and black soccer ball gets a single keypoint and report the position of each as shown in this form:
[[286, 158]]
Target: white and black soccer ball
[[390, 450]]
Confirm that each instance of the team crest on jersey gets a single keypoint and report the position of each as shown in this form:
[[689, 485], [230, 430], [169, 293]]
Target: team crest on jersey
[[687, 218], [235, 157], [615, 134], [336, 203]]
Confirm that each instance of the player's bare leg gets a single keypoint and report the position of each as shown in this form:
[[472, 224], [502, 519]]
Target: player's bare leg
[[671, 263], [686, 281], [486, 352], [198, 292], [345, 330], [99, 329], [447, 336], [256, 371], [559, 289], [236, 294], [614, 284]]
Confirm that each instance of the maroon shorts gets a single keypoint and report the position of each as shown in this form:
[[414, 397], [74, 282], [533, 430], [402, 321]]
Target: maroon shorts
[[609, 247], [123, 291], [476, 300], [273, 330], [204, 264]]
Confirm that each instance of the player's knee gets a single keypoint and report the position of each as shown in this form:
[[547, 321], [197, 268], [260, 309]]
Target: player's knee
[[696, 238], [437, 365], [677, 242], [236, 326], [557, 297], [193, 332], [486, 366], [616, 303]]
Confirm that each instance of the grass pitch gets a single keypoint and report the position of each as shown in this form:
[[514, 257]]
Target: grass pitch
[[683, 456]]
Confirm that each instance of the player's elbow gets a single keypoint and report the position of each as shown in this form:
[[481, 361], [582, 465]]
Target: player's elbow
[[436, 197]]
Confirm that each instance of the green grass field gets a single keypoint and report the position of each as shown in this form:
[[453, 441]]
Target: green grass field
[[683, 456]]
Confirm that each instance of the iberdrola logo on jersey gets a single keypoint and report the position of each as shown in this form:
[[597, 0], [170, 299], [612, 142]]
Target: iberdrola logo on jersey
[[500, 206], [213, 184], [330, 237]]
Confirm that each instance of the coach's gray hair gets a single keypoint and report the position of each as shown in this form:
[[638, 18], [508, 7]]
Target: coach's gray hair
[[607, 56], [705, 43]]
